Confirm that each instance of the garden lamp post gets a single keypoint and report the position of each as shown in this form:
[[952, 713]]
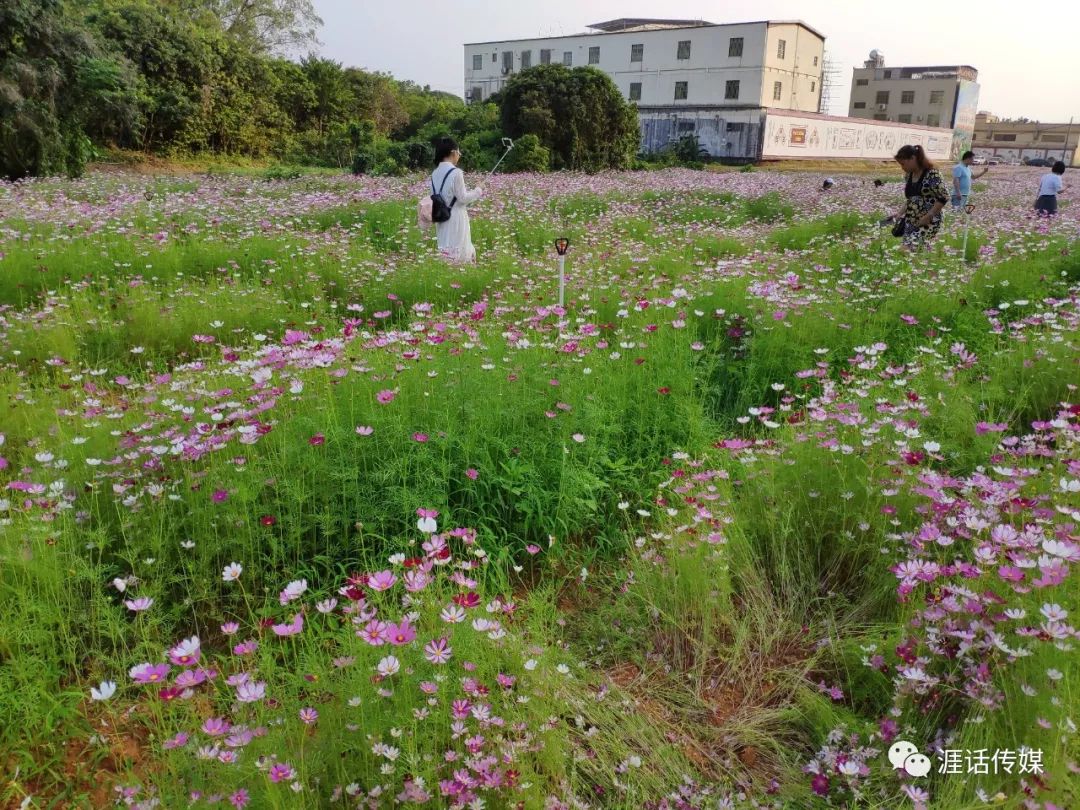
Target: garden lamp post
[[562, 244]]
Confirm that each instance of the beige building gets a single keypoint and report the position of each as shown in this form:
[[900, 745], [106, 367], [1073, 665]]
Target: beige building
[[1024, 140], [686, 77], [934, 96]]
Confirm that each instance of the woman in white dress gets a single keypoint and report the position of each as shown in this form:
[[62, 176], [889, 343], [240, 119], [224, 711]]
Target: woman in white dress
[[455, 236]]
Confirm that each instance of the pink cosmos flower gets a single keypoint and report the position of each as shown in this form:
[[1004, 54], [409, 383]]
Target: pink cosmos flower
[[317, 440], [364, 430], [472, 473], [186, 653], [281, 772], [438, 651], [251, 692], [140, 604], [382, 580], [1011, 573], [420, 437], [308, 716], [216, 726], [149, 673], [385, 397], [240, 799], [179, 741], [230, 628], [292, 628], [246, 647], [220, 495], [400, 634], [374, 633]]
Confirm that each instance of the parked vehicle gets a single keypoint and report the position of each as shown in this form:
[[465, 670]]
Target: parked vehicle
[[1039, 162]]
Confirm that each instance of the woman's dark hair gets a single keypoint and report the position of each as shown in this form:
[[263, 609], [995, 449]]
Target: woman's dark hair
[[967, 154], [908, 152], [443, 148], [1059, 167]]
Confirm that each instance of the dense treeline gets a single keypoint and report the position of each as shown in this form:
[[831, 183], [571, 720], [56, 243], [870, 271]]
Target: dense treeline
[[208, 76]]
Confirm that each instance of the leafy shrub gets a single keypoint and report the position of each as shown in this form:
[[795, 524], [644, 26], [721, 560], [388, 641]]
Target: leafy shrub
[[283, 172], [528, 155]]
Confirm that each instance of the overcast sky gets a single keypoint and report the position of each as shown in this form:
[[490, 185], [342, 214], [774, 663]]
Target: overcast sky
[[1026, 55]]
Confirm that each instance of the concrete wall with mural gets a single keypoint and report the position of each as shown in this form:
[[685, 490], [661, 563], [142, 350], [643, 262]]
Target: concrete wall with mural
[[801, 135]]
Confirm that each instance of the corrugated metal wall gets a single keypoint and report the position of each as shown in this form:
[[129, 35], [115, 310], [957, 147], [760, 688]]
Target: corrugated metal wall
[[734, 135]]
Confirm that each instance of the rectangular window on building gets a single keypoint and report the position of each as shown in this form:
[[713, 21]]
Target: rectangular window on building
[[476, 94], [526, 59], [494, 57], [734, 46], [594, 55], [568, 58], [734, 127], [815, 61], [859, 105], [937, 96], [813, 86], [635, 91], [731, 89], [862, 82], [1052, 138], [781, 48], [637, 53], [1005, 137], [933, 120], [686, 127], [904, 118], [888, 74], [681, 89], [907, 97], [545, 56], [882, 97], [477, 62], [684, 49], [777, 89], [881, 117], [507, 61]]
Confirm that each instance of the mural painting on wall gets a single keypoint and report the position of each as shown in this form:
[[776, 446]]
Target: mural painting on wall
[[798, 136]]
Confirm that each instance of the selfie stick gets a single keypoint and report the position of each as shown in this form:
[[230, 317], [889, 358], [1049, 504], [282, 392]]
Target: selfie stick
[[509, 144]]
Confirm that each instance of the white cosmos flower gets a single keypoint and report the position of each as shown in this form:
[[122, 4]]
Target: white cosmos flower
[[388, 666], [232, 572], [103, 692]]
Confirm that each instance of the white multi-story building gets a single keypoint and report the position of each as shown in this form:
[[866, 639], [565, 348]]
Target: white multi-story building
[[687, 77]]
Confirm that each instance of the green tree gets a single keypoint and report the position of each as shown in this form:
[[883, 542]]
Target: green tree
[[578, 114], [261, 26], [52, 74]]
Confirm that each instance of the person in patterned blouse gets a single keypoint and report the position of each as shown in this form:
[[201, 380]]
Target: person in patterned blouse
[[926, 194]]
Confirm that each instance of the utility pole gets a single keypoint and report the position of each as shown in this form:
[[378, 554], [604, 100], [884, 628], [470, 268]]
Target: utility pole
[[1065, 148]]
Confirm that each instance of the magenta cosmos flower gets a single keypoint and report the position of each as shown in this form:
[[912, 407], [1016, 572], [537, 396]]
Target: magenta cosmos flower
[[385, 397], [399, 634]]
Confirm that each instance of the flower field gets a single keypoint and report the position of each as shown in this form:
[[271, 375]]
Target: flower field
[[294, 515]]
